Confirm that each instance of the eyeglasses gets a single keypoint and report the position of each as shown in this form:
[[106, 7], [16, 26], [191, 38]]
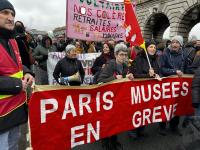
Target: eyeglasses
[[123, 55]]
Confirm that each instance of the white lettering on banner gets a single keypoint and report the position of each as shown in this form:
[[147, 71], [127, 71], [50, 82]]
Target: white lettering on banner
[[156, 92], [89, 132], [108, 101], [135, 124], [148, 116], [157, 113], [185, 89], [148, 94], [174, 110], [165, 90], [44, 111], [168, 113], [85, 100], [69, 107], [76, 135], [135, 95], [84, 104], [98, 101], [175, 89]]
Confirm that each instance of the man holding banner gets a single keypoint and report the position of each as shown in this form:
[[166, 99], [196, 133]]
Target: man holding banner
[[14, 79], [172, 63], [116, 69]]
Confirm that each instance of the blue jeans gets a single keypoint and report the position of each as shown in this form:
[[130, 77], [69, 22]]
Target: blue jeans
[[9, 139]]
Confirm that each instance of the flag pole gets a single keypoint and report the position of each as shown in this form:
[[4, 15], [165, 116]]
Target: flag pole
[[145, 50], [133, 32]]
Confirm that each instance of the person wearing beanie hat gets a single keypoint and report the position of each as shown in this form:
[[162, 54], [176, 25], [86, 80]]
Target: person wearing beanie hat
[[179, 39], [7, 14], [149, 42], [61, 72], [172, 62], [141, 69], [14, 78], [4, 4], [192, 54]]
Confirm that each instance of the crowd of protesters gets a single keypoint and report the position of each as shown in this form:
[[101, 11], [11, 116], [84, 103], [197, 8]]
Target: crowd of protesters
[[117, 60]]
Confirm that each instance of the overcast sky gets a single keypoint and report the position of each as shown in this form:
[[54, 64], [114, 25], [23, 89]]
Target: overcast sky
[[49, 14], [40, 14]]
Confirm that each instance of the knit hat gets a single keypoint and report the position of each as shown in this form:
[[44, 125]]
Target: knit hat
[[149, 42], [194, 38], [179, 39], [4, 4]]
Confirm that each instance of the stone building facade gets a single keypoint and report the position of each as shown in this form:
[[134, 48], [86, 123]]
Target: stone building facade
[[155, 16]]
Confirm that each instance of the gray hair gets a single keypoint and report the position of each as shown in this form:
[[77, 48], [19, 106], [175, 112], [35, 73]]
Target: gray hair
[[69, 48], [120, 47]]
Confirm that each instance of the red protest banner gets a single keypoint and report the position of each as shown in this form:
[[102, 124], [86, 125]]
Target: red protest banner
[[64, 117]]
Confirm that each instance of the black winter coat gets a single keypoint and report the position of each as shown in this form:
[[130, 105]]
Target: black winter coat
[[23, 49], [110, 70], [67, 67], [196, 88], [141, 67], [171, 61], [102, 59]]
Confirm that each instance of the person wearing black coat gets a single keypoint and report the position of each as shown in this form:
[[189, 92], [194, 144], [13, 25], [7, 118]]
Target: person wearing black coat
[[100, 62], [196, 91], [172, 62], [141, 69], [69, 66], [14, 79], [192, 55], [20, 36]]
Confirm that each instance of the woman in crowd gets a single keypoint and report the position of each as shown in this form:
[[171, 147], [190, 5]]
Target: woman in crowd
[[41, 55], [116, 69], [100, 62], [69, 66], [141, 69], [21, 38], [79, 47]]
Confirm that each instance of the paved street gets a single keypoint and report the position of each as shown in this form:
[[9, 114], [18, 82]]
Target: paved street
[[153, 141]]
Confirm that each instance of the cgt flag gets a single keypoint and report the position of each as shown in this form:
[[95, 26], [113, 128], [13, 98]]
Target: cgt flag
[[133, 32]]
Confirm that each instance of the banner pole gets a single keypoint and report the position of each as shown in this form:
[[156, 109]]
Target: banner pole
[[29, 136], [145, 50]]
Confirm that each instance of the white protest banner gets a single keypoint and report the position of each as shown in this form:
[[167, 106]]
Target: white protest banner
[[87, 61]]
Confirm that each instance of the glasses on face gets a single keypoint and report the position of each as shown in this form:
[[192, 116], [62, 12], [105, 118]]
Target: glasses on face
[[123, 54]]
